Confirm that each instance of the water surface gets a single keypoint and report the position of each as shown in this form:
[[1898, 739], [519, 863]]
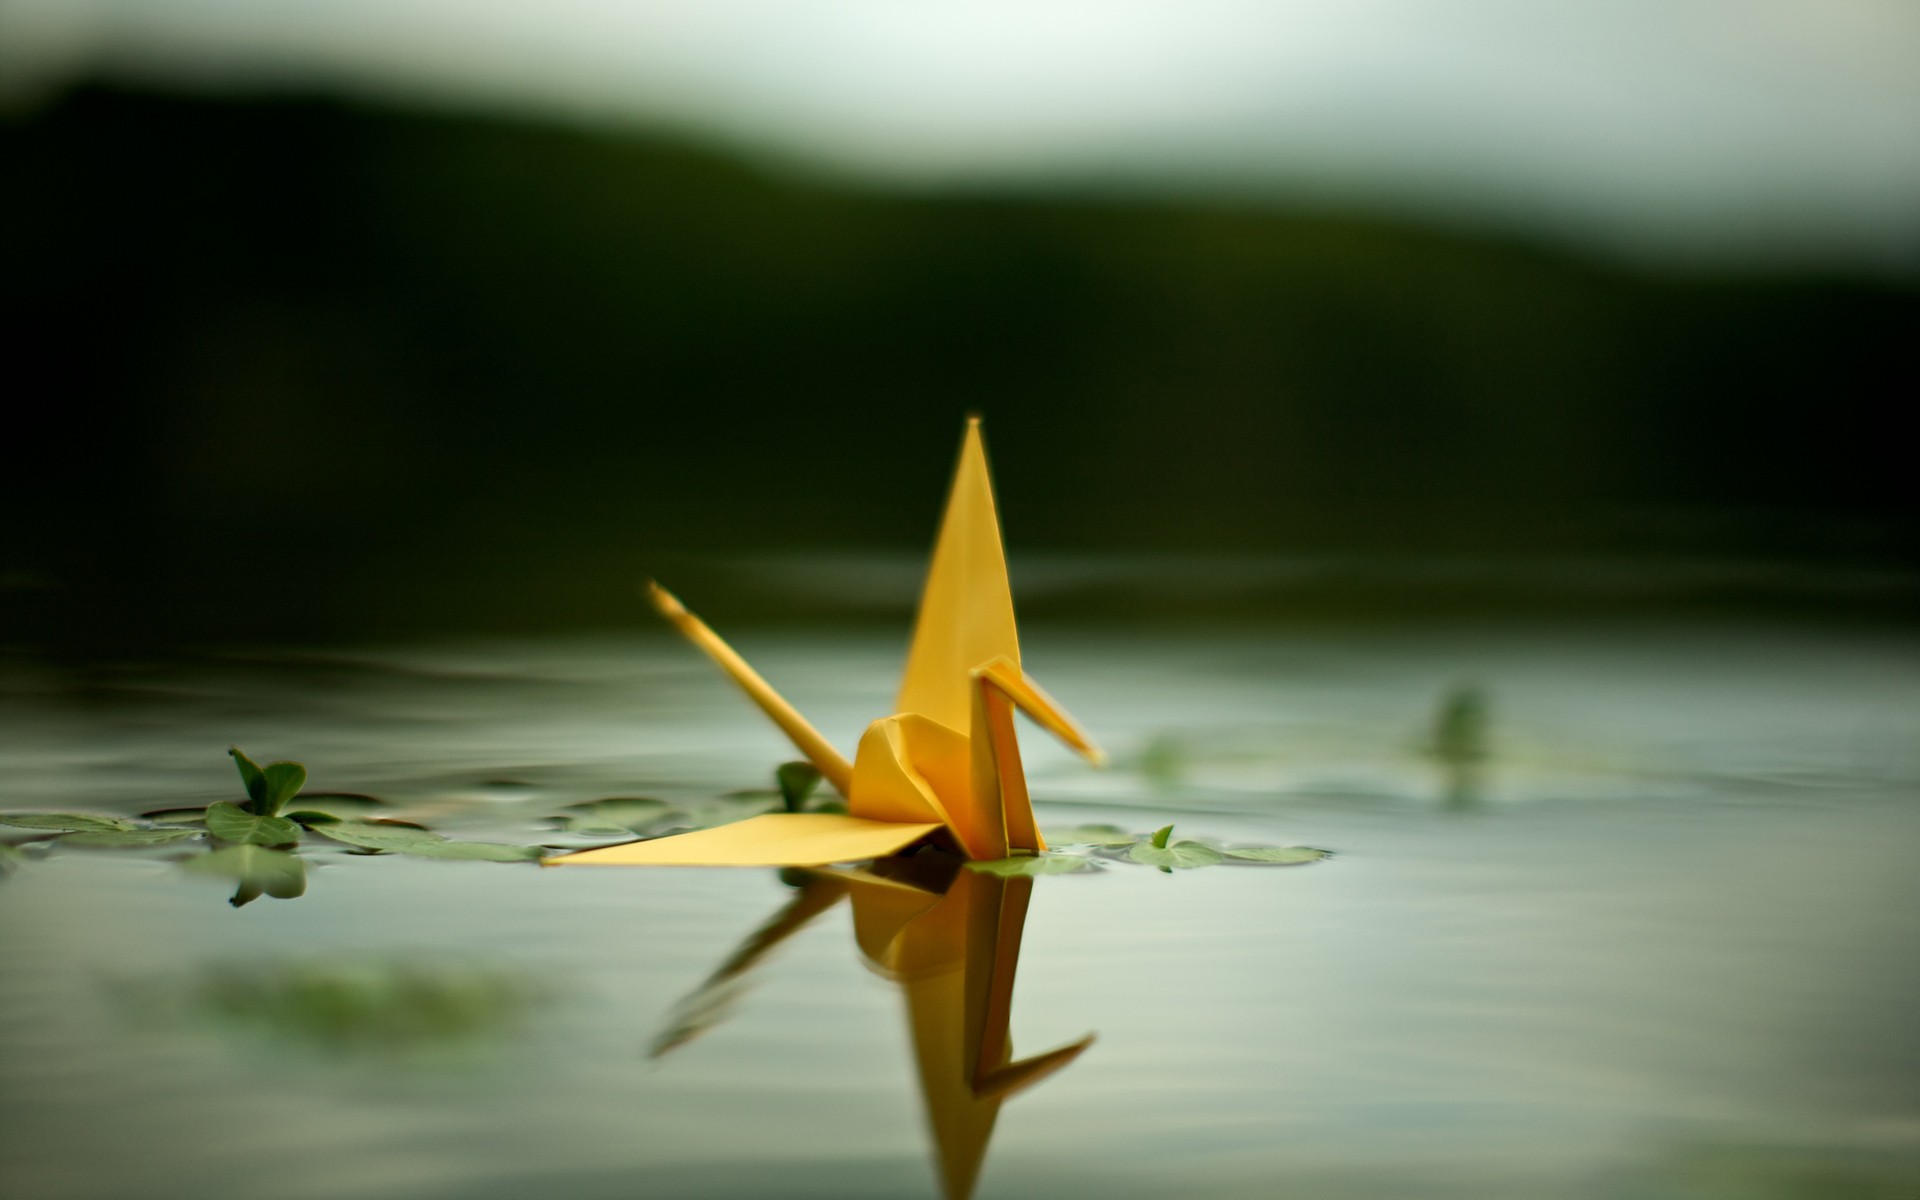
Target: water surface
[[1658, 941]]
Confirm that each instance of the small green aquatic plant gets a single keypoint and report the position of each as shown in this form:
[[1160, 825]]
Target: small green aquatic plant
[[397, 837], [1461, 746], [797, 782], [1157, 849], [1045, 863], [258, 822], [252, 843], [620, 818]]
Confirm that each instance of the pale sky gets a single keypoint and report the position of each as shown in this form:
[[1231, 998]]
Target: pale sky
[[1784, 130]]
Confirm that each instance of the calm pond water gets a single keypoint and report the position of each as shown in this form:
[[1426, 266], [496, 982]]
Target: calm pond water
[[1660, 943]]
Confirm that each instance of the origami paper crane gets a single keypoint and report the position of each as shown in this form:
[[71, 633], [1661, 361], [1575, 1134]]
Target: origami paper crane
[[951, 939], [946, 766]]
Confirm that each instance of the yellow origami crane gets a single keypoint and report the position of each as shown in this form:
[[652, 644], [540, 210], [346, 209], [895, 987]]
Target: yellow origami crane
[[951, 940], [946, 765]]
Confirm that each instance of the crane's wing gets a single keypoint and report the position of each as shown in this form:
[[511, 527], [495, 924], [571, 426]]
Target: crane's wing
[[772, 840], [831, 764]]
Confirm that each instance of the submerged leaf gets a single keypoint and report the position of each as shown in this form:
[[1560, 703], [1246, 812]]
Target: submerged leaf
[[1177, 856], [1276, 855], [231, 823], [1034, 864], [259, 871], [64, 822], [114, 838], [376, 1006]]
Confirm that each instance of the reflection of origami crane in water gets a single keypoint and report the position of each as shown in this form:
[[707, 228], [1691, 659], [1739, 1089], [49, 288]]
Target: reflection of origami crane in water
[[947, 761], [952, 945]]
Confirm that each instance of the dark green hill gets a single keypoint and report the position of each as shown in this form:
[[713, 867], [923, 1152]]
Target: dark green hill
[[286, 367]]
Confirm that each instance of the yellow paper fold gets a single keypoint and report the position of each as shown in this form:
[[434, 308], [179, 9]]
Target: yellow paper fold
[[966, 606], [950, 939], [949, 758], [772, 840]]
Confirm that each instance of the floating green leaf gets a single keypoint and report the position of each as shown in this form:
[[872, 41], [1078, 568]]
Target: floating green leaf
[[475, 851], [115, 838], [797, 781], [723, 809], [309, 819], [1161, 835], [369, 836], [231, 823], [616, 816], [1179, 855], [1034, 864], [64, 822], [1276, 855], [341, 805], [423, 843], [258, 870], [1090, 835]]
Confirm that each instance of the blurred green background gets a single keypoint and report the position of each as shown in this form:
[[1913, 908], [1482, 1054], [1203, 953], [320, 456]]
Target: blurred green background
[[294, 364]]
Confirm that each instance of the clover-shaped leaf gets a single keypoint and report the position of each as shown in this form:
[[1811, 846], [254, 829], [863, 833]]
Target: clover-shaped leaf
[[231, 823], [269, 787]]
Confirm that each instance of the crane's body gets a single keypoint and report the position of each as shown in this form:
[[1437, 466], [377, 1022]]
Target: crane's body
[[945, 765]]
